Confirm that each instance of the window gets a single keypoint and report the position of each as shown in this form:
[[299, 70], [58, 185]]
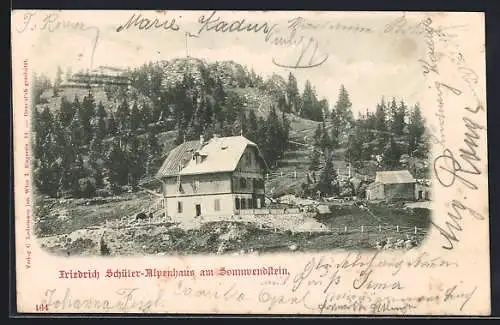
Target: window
[[243, 204], [179, 207], [217, 205], [250, 203], [179, 184], [196, 184], [237, 203], [259, 183], [243, 182]]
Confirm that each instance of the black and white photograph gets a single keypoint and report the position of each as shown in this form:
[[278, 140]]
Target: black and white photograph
[[216, 155]]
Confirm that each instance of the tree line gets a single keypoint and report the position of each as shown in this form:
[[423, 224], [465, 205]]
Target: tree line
[[204, 103], [393, 137], [392, 132], [81, 151], [83, 148]]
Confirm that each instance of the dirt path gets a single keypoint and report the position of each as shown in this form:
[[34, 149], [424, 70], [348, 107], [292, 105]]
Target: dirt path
[[299, 222]]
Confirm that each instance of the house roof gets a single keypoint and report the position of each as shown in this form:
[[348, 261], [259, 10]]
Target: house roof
[[394, 177], [219, 155], [179, 156]]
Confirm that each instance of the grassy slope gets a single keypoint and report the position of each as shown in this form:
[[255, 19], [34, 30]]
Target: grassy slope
[[65, 216]]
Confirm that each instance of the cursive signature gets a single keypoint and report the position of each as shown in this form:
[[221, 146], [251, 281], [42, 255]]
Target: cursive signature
[[216, 24], [448, 168], [304, 24], [52, 23], [317, 272], [143, 23], [402, 25], [309, 57], [231, 293], [365, 282], [124, 300], [453, 293], [453, 225]]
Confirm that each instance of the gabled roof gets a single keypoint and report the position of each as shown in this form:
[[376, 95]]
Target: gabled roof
[[219, 155], [179, 156], [394, 177]]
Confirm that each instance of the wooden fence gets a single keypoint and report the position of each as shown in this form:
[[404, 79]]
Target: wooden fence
[[396, 229]]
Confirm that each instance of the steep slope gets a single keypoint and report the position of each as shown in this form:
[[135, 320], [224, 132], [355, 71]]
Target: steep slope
[[149, 82]]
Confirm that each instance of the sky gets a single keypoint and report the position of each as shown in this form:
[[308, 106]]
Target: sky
[[369, 62]]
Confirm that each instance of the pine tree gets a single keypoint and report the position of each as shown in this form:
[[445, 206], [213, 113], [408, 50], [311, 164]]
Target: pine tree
[[47, 152], [397, 117], [285, 133], [310, 108], [67, 111], [112, 125], [181, 135], [326, 142], [58, 81], [293, 96], [380, 117], [262, 138], [61, 150], [96, 154], [402, 112], [136, 161], [336, 125], [323, 107], [260, 134], [45, 180], [77, 173], [273, 145], [76, 105], [208, 116], [135, 118], [219, 93], [315, 160], [117, 166], [354, 149], [391, 155], [318, 133], [64, 151], [153, 153], [44, 128], [76, 131], [232, 107], [416, 129], [327, 177], [87, 114], [123, 117], [343, 111], [101, 129], [393, 109], [334, 140], [147, 116], [185, 100]]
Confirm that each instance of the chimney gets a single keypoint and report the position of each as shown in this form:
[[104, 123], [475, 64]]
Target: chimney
[[202, 139]]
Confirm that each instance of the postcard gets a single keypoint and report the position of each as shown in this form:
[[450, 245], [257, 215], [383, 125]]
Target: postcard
[[237, 162]]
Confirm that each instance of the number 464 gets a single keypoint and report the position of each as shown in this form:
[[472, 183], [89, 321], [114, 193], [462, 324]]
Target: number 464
[[42, 307]]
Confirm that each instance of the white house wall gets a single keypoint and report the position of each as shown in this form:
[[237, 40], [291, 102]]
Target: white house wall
[[207, 184], [207, 203]]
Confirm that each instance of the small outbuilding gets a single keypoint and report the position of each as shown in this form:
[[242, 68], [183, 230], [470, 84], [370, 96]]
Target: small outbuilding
[[392, 185]]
